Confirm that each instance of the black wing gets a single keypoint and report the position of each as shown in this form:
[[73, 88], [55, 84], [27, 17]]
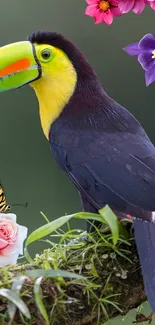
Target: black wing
[[113, 168]]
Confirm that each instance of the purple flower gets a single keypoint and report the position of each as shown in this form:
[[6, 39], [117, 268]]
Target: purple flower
[[145, 52]]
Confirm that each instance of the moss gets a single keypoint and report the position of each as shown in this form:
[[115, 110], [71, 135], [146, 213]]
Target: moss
[[114, 283]]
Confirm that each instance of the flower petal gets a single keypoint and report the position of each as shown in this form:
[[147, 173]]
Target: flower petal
[[147, 43], [11, 216], [149, 1], [146, 61], [152, 5], [132, 49], [17, 247], [98, 16], [91, 2], [126, 5], [8, 260], [139, 6], [22, 235], [91, 10], [150, 76], [3, 243], [115, 3], [107, 18], [116, 11]]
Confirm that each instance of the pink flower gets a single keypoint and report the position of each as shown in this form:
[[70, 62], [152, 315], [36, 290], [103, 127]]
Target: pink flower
[[151, 3], [12, 237], [103, 10], [137, 6]]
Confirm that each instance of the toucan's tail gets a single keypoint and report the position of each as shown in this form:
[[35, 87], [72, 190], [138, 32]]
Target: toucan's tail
[[145, 241]]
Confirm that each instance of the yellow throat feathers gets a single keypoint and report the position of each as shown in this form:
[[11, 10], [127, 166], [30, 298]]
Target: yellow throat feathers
[[55, 88]]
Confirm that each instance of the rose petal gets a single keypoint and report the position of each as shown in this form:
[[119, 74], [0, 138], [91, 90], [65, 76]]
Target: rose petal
[[15, 236], [9, 250], [126, 5], [150, 76], [91, 10], [11, 216], [107, 18], [132, 49], [8, 260], [17, 247], [8, 230], [3, 243], [139, 6], [146, 61], [22, 235], [147, 43]]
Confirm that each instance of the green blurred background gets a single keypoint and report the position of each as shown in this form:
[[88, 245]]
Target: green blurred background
[[28, 171]]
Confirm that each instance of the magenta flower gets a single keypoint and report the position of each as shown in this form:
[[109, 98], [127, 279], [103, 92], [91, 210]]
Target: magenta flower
[[151, 3], [103, 10], [137, 6], [145, 52]]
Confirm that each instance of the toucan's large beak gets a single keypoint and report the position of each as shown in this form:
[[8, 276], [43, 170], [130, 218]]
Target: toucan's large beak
[[18, 65]]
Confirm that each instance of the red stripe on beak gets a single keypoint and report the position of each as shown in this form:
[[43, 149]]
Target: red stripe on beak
[[17, 66]]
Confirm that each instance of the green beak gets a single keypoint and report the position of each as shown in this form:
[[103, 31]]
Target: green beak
[[18, 65]]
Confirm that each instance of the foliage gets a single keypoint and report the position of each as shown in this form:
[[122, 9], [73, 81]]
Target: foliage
[[83, 279]]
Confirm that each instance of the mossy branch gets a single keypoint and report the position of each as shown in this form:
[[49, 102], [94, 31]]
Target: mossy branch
[[113, 284]]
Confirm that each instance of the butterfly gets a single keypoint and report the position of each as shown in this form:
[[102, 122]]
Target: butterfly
[[4, 207]]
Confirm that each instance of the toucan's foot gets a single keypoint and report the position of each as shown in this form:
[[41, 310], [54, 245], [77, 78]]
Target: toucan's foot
[[140, 318]]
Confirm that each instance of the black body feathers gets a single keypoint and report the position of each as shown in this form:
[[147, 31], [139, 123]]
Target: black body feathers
[[106, 153]]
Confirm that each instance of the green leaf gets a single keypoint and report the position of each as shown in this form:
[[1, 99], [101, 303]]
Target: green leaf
[[15, 288], [123, 231], [43, 215], [47, 229], [94, 271], [118, 251], [39, 301], [27, 256], [88, 216], [14, 297], [106, 216], [110, 218], [53, 273]]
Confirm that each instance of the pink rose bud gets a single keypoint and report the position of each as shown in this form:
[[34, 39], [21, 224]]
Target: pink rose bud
[[12, 237]]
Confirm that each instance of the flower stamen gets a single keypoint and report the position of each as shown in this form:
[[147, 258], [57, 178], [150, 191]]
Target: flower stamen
[[104, 5], [153, 56]]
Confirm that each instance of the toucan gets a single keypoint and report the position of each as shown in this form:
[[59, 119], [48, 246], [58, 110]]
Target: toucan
[[99, 144]]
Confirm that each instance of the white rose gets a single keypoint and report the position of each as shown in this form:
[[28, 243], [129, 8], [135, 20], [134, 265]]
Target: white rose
[[12, 237]]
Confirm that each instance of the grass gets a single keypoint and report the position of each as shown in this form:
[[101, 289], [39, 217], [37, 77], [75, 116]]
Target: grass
[[82, 279]]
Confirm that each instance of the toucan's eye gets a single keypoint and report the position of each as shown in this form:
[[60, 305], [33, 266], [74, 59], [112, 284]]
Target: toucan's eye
[[46, 54]]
